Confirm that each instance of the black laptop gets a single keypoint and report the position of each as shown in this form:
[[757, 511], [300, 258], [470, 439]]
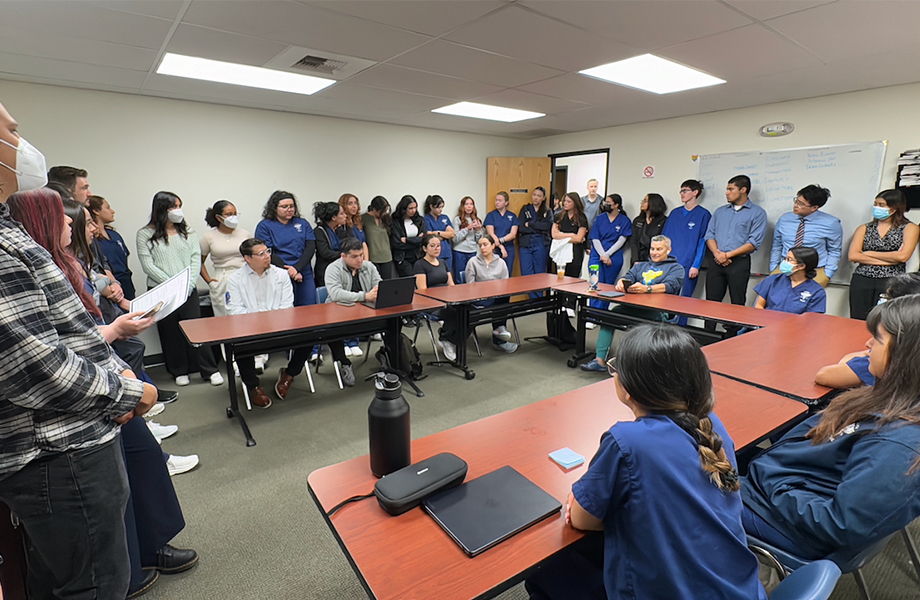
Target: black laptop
[[393, 292], [489, 509]]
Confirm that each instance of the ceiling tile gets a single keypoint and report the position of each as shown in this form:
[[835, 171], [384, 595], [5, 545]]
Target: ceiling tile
[[392, 77], [742, 53], [455, 60], [220, 45], [357, 99], [429, 18], [528, 101], [45, 44], [848, 29], [66, 72], [304, 25], [523, 34], [164, 9], [585, 89], [81, 21], [762, 11], [645, 25]]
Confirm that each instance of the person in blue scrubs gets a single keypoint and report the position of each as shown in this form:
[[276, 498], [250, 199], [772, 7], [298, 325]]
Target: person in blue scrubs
[[439, 224], [794, 289], [853, 369], [292, 242], [686, 226], [535, 222], [502, 225], [608, 235], [663, 489], [112, 244]]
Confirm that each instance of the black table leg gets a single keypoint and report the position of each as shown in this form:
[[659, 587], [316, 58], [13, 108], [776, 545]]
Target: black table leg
[[234, 409], [391, 341], [463, 325], [580, 334]]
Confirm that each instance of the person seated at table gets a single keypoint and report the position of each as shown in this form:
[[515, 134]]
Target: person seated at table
[[485, 267], [260, 286], [663, 489], [660, 275], [853, 369], [794, 289], [848, 477], [431, 271]]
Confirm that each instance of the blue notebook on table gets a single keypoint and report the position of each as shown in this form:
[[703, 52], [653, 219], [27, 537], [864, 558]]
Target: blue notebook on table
[[489, 509]]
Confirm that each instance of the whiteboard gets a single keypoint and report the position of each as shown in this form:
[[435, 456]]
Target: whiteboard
[[852, 173]]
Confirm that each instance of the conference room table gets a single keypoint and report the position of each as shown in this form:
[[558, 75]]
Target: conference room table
[[463, 298], [410, 557], [282, 330], [784, 358]]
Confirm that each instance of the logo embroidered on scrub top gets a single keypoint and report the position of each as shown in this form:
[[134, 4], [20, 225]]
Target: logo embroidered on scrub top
[[649, 276], [227, 297], [804, 296], [298, 227], [848, 430], [691, 225], [618, 227]]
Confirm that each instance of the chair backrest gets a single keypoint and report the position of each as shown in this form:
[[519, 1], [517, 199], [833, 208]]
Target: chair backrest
[[814, 581], [461, 275], [847, 559], [321, 295]]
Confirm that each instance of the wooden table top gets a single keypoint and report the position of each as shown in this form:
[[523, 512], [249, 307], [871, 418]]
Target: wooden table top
[[692, 307], [480, 290], [786, 356], [215, 330], [410, 557]]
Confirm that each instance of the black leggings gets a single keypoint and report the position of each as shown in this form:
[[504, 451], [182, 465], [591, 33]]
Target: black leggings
[[864, 293]]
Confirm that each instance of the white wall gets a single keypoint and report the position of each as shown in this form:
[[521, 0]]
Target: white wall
[[134, 146], [881, 114], [582, 168]]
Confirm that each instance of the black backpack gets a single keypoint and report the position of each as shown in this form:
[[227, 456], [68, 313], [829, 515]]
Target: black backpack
[[410, 363]]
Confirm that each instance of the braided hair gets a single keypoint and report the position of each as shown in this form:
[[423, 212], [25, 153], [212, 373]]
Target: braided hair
[[664, 370]]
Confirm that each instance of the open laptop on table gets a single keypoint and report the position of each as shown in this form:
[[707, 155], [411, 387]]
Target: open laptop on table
[[393, 292]]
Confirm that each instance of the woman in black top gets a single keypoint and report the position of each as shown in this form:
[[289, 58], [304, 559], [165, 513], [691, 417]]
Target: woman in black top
[[536, 221], [431, 271], [647, 225], [406, 235], [572, 223], [329, 218]]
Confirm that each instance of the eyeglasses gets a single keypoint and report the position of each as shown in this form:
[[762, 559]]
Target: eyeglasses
[[266, 252], [685, 191], [801, 204], [286, 207], [612, 366]]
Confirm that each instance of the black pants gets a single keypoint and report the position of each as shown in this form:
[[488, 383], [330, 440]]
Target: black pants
[[573, 269], [733, 278], [575, 573], [387, 270], [131, 351], [405, 267], [299, 356], [864, 293], [72, 506], [181, 358]]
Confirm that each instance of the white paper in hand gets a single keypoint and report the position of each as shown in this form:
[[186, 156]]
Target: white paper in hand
[[172, 293]]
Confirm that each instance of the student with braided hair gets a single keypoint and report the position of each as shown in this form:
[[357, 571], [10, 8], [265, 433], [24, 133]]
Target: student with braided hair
[[663, 488]]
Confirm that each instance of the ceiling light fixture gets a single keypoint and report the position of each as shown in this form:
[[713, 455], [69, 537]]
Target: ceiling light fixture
[[487, 111], [236, 74], [651, 73]]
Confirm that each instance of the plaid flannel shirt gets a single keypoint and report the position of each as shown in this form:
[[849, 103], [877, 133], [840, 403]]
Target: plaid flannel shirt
[[60, 382]]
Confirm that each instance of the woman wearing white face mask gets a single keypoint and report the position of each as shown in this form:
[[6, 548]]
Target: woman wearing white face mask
[[165, 247], [222, 244], [881, 249]]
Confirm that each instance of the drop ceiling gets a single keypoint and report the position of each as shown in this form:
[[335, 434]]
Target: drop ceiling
[[425, 54]]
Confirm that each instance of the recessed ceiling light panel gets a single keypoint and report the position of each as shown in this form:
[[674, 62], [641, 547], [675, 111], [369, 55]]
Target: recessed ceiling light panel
[[651, 73], [487, 111], [236, 74]]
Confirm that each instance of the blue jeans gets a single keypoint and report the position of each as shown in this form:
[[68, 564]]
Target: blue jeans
[[72, 506]]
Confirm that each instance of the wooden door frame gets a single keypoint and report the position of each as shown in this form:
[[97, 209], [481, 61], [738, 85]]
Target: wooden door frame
[[606, 151]]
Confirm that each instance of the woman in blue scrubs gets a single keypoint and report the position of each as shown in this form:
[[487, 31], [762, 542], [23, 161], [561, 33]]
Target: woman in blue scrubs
[[793, 289], [502, 225], [292, 243], [536, 221], [439, 224], [609, 234]]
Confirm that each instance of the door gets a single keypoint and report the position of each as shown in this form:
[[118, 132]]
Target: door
[[518, 176]]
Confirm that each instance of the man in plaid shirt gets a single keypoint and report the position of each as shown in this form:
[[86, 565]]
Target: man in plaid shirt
[[63, 394]]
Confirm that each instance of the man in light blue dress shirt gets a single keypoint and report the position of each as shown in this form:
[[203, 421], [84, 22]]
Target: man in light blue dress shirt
[[735, 231], [808, 226]]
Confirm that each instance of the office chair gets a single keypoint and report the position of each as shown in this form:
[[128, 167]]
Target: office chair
[[814, 581]]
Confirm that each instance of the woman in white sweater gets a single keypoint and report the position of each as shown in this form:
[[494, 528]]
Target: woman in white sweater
[[166, 246]]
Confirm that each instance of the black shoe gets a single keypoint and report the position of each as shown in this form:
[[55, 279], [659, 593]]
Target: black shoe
[[167, 396], [144, 586], [174, 560]]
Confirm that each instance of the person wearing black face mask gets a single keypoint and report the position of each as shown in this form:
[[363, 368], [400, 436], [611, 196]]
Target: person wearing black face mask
[[609, 234]]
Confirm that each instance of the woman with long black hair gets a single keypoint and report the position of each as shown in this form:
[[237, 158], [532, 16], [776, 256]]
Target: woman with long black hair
[[649, 223], [377, 224], [408, 229]]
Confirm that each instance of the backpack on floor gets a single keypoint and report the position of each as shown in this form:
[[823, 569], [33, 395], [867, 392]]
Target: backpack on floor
[[410, 362]]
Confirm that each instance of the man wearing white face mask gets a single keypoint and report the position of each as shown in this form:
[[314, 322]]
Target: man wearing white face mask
[[222, 244], [63, 394]]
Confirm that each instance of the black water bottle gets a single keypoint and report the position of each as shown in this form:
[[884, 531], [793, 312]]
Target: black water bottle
[[388, 426]]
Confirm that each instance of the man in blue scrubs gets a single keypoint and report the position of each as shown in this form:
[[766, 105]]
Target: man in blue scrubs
[[809, 226]]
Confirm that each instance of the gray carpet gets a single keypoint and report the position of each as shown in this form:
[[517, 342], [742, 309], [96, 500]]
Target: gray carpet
[[248, 511]]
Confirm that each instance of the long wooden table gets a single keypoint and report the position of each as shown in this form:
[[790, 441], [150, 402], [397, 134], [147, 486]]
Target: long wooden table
[[464, 296], [257, 333], [785, 357], [410, 557]]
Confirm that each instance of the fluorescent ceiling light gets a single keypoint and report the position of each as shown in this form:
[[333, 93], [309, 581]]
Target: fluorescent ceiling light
[[652, 74], [235, 74], [486, 111]]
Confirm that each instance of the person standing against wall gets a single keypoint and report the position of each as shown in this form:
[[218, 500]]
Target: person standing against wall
[[592, 202], [811, 227], [502, 224], [686, 226]]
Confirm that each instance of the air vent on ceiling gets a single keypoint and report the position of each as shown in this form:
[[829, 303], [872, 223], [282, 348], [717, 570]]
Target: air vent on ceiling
[[318, 64]]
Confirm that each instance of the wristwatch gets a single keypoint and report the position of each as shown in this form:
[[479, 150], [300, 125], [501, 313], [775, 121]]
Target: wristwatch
[[648, 289]]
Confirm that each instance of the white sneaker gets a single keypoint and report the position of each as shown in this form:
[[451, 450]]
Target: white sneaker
[[182, 380], [155, 410], [509, 347], [347, 351], [161, 432], [502, 332], [176, 465], [260, 364], [236, 369], [570, 312], [217, 379], [377, 337], [450, 351], [590, 325], [357, 351]]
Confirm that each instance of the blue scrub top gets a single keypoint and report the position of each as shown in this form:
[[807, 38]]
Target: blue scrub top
[[440, 224], [860, 366], [502, 223], [608, 231], [777, 290], [116, 252], [669, 532], [286, 241]]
